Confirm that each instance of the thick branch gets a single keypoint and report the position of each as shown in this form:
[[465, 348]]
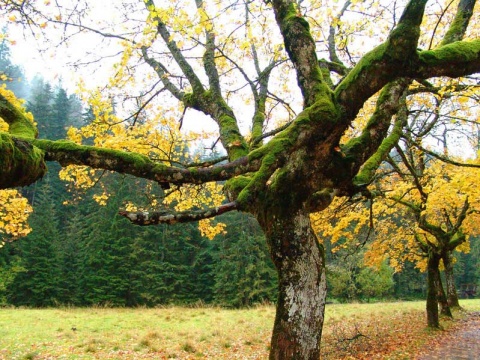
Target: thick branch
[[20, 163], [260, 97], [457, 59], [384, 63], [68, 153], [301, 50], [172, 217], [459, 25], [18, 123], [373, 145], [338, 68]]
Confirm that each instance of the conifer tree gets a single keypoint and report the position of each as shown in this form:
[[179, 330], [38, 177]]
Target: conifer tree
[[38, 284]]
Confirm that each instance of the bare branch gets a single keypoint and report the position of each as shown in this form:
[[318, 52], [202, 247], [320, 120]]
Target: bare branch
[[331, 36], [270, 133], [443, 158], [162, 73]]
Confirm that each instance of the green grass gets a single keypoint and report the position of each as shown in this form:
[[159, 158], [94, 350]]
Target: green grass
[[201, 333]]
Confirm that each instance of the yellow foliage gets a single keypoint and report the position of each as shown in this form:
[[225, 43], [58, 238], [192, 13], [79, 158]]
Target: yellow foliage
[[209, 230], [18, 103], [101, 199], [14, 213], [3, 125], [394, 225]]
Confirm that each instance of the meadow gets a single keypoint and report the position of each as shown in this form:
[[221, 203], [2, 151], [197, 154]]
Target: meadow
[[352, 331]]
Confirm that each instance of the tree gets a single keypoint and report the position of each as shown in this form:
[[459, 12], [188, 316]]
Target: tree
[[195, 64], [242, 271], [421, 213], [40, 104], [37, 285]]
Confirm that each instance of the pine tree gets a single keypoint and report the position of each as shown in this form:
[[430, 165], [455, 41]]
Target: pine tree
[[40, 105], [70, 265], [61, 109], [105, 255], [243, 271], [38, 285]]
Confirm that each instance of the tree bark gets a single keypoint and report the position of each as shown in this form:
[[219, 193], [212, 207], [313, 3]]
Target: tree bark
[[442, 298], [300, 263], [432, 300], [452, 295]]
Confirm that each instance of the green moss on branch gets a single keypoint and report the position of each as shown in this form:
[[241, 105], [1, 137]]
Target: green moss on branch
[[21, 163]]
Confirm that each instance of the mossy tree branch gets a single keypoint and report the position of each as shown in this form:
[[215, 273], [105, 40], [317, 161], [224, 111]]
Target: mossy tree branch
[[301, 50], [68, 153], [210, 102], [384, 63], [259, 89], [162, 73], [459, 25], [457, 59], [173, 48], [373, 145], [21, 163]]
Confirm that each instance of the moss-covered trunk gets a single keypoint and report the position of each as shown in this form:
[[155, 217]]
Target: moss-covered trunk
[[432, 299], [441, 296], [300, 263], [452, 296]]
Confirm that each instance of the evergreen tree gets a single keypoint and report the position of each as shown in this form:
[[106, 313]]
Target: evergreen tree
[[70, 265], [38, 284], [10, 266], [243, 271], [105, 255], [61, 110], [40, 105], [169, 266]]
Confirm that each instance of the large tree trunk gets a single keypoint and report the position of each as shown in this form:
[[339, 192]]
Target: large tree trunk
[[452, 296], [432, 301], [300, 263]]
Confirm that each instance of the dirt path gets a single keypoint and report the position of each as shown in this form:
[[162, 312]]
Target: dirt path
[[462, 341]]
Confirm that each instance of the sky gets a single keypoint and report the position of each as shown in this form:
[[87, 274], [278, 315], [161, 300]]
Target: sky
[[53, 67]]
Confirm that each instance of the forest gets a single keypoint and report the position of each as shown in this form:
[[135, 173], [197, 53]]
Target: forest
[[342, 137]]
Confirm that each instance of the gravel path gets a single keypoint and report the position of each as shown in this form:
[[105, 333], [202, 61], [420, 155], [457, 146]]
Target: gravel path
[[462, 342]]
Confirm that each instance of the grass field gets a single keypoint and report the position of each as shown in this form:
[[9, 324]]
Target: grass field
[[352, 331]]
